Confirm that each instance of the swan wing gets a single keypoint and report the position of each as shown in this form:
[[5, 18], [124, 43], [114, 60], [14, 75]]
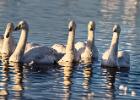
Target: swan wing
[[79, 45], [30, 46], [123, 59], [60, 48], [40, 55]]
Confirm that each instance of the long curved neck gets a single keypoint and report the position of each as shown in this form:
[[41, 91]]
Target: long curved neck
[[19, 51], [8, 44], [70, 42], [90, 40], [114, 45]]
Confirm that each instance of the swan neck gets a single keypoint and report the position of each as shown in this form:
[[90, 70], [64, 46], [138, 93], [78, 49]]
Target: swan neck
[[114, 44], [90, 40], [70, 42], [21, 44]]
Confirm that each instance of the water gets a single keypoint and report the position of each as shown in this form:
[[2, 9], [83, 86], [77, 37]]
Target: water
[[48, 20]]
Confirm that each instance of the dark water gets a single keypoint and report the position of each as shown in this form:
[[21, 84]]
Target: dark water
[[48, 21]]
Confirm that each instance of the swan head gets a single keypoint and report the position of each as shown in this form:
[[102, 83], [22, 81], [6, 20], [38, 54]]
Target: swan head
[[9, 29], [72, 26], [22, 25], [117, 28], [91, 26]]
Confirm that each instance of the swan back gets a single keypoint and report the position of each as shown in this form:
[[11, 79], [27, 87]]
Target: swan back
[[123, 59], [40, 55], [60, 48]]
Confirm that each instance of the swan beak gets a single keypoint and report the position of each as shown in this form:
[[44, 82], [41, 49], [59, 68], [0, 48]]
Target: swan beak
[[91, 28], [8, 34], [17, 28], [70, 29]]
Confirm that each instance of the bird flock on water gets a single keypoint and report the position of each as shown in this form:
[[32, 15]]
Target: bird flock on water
[[62, 54]]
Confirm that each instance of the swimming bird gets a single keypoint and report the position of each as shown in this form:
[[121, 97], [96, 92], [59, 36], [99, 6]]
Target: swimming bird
[[112, 57], [87, 50], [84, 51], [38, 54], [69, 56], [8, 42]]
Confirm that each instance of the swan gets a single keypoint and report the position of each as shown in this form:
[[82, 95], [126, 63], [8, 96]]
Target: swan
[[11, 43], [112, 57], [8, 42], [84, 52], [38, 54], [69, 56], [88, 50]]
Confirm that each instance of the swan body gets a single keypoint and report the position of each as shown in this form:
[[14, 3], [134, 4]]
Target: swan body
[[30, 46], [35, 54], [8, 42], [40, 55], [88, 50], [69, 56], [112, 57]]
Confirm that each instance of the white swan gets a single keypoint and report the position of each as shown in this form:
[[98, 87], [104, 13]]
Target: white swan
[[84, 52], [8, 42], [37, 54], [69, 56], [112, 57], [88, 50]]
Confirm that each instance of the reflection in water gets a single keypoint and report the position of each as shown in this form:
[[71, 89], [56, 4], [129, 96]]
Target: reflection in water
[[4, 83], [67, 81], [48, 13], [110, 73], [87, 74], [17, 80], [17, 85]]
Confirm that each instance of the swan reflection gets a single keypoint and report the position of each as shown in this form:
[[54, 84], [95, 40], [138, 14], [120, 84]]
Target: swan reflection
[[4, 83], [67, 70], [11, 75], [87, 75]]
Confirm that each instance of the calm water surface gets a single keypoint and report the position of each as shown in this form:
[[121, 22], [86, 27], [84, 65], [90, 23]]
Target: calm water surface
[[48, 20]]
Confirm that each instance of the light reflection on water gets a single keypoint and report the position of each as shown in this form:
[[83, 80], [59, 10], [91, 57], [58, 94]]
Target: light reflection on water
[[48, 21]]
